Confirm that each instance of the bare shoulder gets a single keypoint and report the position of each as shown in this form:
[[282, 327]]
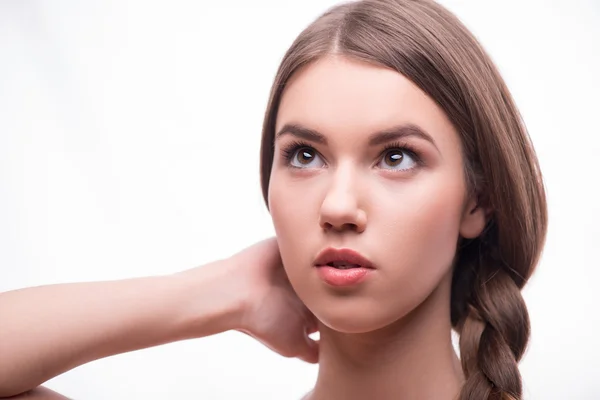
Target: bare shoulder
[[40, 393]]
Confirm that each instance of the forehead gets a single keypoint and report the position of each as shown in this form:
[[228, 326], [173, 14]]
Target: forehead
[[348, 99]]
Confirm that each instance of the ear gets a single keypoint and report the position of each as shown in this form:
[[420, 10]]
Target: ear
[[473, 220]]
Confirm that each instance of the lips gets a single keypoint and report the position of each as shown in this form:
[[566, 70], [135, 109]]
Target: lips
[[342, 258]]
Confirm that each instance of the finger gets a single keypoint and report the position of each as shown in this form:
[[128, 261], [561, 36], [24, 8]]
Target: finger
[[311, 327], [311, 322], [310, 352]]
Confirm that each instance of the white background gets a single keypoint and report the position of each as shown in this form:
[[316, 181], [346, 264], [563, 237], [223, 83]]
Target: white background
[[129, 143]]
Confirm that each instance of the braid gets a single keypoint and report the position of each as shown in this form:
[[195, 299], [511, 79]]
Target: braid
[[493, 323]]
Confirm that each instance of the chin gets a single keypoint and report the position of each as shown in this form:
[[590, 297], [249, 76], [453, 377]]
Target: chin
[[354, 324], [353, 317], [349, 326]]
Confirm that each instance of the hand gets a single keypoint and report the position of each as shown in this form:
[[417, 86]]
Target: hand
[[274, 314]]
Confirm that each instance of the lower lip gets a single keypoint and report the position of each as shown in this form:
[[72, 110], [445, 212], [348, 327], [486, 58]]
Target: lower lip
[[342, 277]]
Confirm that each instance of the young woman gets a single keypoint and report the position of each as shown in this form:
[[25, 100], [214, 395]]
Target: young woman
[[407, 202]]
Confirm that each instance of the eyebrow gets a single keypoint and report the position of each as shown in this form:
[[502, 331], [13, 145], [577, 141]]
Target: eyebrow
[[375, 139]]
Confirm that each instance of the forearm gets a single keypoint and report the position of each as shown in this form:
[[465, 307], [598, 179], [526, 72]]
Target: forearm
[[48, 330], [39, 393]]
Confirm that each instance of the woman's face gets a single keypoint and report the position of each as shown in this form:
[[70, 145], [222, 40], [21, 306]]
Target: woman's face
[[399, 199]]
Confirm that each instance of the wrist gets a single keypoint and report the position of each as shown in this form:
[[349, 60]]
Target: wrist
[[212, 299]]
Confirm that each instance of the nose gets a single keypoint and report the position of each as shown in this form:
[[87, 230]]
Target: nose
[[341, 209]]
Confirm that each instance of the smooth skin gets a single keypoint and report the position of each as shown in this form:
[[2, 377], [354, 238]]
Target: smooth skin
[[55, 328], [39, 393], [403, 207]]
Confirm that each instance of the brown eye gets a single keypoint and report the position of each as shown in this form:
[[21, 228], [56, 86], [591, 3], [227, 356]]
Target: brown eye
[[300, 155], [398, 159], [393, 158], [305, 156]]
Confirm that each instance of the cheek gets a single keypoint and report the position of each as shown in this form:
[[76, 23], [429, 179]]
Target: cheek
[[425, 223], [285, 208], [293, 220], [417, 242]]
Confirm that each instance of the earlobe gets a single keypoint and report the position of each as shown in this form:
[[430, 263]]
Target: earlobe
[[473, 220]]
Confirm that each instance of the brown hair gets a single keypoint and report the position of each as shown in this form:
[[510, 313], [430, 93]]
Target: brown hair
[[426, 43]]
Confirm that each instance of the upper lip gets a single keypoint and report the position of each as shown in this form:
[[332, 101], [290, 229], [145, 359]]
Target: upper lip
[[350, 256]]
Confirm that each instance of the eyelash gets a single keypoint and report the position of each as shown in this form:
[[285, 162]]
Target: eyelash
[[290, 150]]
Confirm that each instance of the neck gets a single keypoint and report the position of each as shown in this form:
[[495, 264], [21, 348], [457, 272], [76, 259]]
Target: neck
[[412, 358]]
